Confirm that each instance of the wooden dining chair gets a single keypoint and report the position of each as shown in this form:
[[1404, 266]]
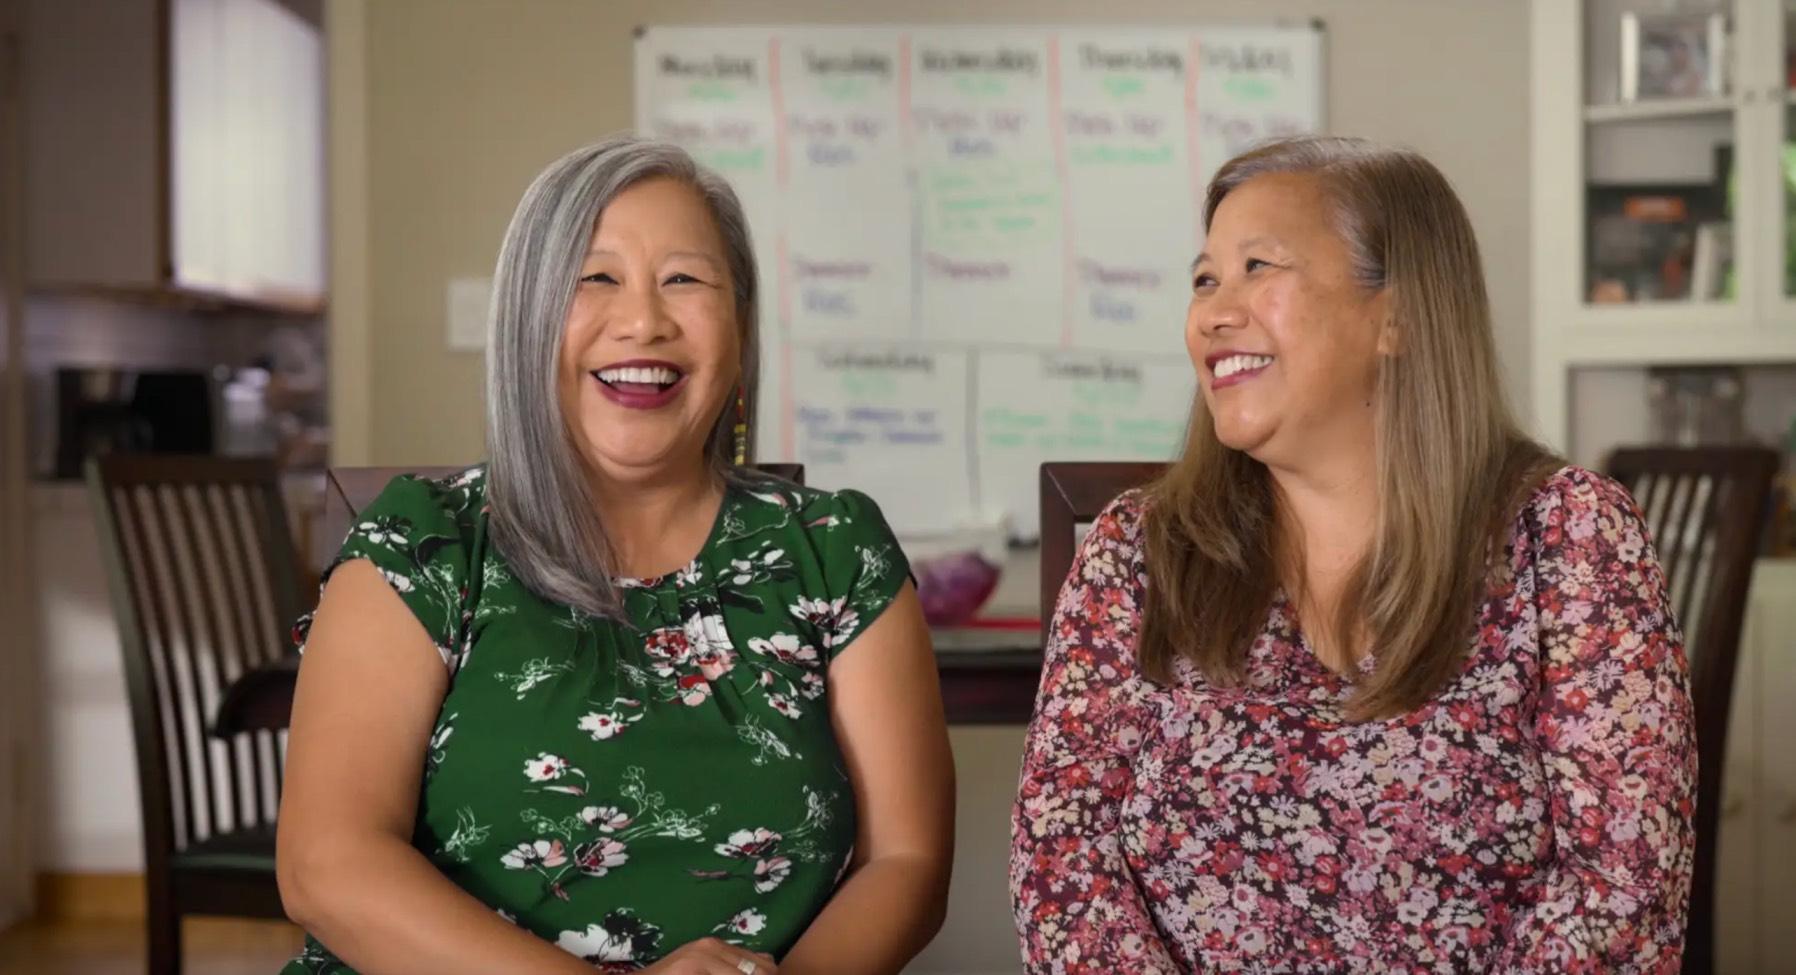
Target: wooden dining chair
[[202, 573], [1073, 493], [1705, 507]]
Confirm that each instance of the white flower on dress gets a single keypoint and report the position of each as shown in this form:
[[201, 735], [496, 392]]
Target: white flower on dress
[[714, 663], [830, 616], [691, 575], [811, 685], [839, 633], [749, 922], [743, 571], [542, 853], [599, 944], [770, 873], [546, 768], [749, 844], [383, 531], [786, 648], [609, 819], [706, 634], [669, 647], [694, 690], [398, 582], [596, 858], [602, 725], [815, 611], [784, 705]]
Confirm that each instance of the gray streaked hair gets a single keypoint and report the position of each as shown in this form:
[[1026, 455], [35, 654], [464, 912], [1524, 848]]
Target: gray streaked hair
[[543, 516]]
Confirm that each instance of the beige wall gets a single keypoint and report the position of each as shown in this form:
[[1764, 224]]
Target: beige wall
[[442, 111], [462, 101]]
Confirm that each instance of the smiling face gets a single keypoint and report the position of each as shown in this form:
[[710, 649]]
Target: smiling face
[[651, 351], [1286, 341]]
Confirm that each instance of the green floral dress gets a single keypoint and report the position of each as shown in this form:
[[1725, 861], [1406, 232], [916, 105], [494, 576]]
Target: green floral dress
[[622, 790]]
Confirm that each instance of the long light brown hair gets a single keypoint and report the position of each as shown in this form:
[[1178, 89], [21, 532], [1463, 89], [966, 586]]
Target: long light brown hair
[[1452, 465]]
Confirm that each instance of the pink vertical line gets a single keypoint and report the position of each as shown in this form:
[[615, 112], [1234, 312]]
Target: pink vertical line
[[779, 107], [1057, 126], [788, 411], [1192, 140], [783, 273]]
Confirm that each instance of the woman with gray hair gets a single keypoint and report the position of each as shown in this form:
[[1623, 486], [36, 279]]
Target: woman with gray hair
[[614, 699]]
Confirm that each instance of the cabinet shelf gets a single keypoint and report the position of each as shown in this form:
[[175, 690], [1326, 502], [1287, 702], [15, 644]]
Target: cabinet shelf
[[1662, 108], [1617, 344]]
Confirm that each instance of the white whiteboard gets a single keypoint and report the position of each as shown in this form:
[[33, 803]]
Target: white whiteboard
[[974, 243]]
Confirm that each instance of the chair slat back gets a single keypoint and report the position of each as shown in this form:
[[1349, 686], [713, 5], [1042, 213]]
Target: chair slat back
[[1705, 508], [1073, 493], [203, 575]]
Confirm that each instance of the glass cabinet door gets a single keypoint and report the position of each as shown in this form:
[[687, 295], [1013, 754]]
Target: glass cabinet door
[[1661, 120]]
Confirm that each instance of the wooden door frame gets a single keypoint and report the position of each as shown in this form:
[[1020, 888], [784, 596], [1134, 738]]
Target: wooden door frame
[[19, 719]]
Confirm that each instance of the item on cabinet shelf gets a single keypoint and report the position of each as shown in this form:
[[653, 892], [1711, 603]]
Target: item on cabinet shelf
[[1697, 406], [101, 411], [1673, 55], [1642, 238], [247, 429], [295, 396], [1713, 261]]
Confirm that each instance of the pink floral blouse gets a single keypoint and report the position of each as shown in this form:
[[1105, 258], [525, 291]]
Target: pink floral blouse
[[1535, 816]]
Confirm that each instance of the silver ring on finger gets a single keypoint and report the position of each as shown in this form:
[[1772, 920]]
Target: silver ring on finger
[[747, 966]]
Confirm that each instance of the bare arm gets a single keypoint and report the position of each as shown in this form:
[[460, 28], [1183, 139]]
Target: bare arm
[[367, 699], [886, 704]]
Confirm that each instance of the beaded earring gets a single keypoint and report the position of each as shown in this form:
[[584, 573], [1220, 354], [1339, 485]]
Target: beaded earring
[[741, 427]]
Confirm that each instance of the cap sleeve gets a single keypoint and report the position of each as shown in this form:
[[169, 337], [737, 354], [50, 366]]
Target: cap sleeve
[[863, 566], [413, 534]]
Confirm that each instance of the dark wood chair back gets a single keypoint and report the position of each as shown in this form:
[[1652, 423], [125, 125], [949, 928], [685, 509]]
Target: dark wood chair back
[[1705, 507], [349, 489], [1073, 493], [202, 572]]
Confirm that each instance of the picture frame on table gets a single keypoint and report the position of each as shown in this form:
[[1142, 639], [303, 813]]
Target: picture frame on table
[[1674, 55]]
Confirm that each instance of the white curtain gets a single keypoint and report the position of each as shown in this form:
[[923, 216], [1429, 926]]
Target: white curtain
[[18, 602]]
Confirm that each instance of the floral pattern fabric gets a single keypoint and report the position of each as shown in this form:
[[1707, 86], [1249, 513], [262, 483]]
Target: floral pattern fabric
[[624, 789], [1534, 816]]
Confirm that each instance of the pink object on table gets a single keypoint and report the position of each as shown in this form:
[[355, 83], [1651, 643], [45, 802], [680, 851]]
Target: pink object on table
[[953, 587]]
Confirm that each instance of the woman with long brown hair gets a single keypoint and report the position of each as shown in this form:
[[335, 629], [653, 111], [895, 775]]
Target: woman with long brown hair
[[1368, 680]]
